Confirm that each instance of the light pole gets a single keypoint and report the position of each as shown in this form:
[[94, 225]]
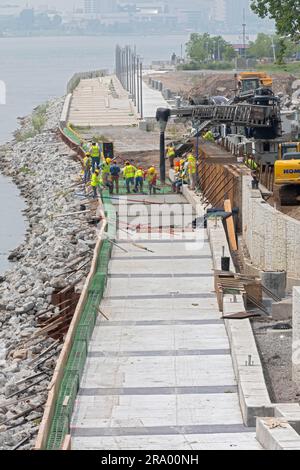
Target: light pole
[[196, 126], [162, 116]]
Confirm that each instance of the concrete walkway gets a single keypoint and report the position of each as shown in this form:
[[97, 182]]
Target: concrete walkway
[[101, 102], [159, 373], [152, 99]]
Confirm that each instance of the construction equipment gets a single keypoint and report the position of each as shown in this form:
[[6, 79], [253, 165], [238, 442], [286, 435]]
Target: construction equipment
[[263, 121], [251, 84], [287, 172]]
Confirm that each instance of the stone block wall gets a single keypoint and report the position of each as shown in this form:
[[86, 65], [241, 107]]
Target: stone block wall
[[296, 336], [272, 238]]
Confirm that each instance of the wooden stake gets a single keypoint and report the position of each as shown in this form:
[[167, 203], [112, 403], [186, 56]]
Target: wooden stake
[[103, 314]]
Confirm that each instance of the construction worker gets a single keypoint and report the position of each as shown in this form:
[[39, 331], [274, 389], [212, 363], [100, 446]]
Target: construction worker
[[139, 180], [177, 166], [129, 173], [87, 163], [105, 170], [209, 136], [180, 179], [171, 154], [192, 168], [251, 163], [96, 183], [115, 171], [181, 164], [95, 154], [152, 179]]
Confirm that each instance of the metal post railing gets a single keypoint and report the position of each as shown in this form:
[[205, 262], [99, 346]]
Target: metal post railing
[[129, 70]]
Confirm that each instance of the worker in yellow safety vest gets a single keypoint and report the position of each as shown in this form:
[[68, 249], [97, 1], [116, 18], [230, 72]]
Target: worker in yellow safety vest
[[171, 154], [139, 180], [96, 183], [152, 179], [209, 136], [87, 163], [192, 167], [95, 154], [106, 170], [251, 163], [129, 174]]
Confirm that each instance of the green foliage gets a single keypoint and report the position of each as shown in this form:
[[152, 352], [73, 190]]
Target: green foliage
[[293, 67], [26, 171], [39, 118], [38, 121], [266, 45], [286, 14], [205, 48], [21, 136], [262, 47]]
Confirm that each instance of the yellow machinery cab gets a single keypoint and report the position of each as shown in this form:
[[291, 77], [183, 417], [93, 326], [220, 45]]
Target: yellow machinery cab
[[249, 81], [287, 167]]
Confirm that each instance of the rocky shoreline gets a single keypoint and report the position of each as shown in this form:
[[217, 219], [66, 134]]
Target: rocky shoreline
[[45, 170]]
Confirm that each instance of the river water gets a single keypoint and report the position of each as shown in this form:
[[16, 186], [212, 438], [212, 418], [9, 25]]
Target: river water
[[37, 69], [13, 225]]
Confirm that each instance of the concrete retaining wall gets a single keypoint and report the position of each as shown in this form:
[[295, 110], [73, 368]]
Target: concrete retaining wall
[[272, 238], [296, 336], [72, 84], [65, 112]]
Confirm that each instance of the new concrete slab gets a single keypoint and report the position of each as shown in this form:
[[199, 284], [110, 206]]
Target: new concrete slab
[[219, 441], [144, 371], [153, 372]]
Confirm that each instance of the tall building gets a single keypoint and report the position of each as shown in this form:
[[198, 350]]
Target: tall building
[[99, 6], [220, 10]]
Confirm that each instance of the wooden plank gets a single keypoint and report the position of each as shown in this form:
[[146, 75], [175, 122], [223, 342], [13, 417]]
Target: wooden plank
[[230, 226], [67, 444]]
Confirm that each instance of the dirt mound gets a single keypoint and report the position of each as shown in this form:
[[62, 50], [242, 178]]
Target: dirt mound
[[214, 83]]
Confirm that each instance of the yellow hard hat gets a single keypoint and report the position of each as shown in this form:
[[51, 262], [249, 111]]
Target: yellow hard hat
[[108, 160]]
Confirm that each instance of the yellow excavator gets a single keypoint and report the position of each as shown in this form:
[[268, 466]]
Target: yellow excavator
[[287, 172], [253, 88], [248, 82]]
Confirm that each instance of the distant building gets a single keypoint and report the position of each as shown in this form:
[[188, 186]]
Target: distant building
[[220, 11], [99, 6]]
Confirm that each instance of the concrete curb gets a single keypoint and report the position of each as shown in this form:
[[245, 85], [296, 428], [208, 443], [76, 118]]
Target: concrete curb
[[65, 112], [253, 393], [277, 434]]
